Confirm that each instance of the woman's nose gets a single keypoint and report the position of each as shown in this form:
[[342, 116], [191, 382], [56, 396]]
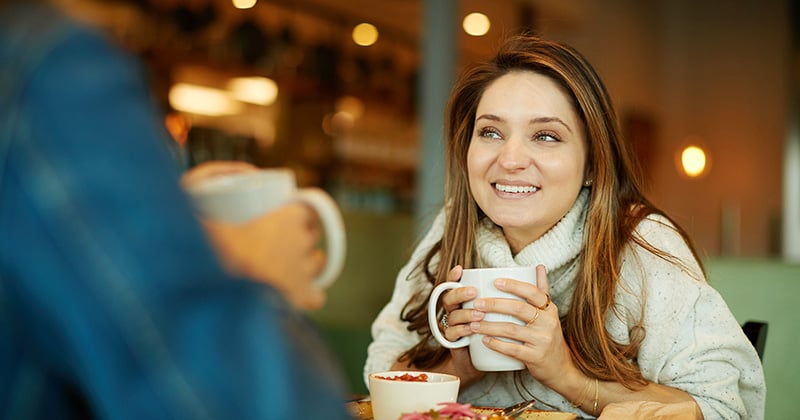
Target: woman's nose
[[513, 155]]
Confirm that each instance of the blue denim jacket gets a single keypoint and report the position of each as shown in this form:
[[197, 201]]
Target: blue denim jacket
[[112, 303]]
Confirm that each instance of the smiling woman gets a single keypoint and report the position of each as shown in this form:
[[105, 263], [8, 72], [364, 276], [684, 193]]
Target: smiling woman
[[539, 174]]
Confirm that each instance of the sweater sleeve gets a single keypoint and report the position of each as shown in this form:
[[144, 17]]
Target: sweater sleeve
[[390, 334], [692, 340]]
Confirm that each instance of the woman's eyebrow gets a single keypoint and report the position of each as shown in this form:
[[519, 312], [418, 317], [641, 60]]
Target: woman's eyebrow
[[490, 117], [540, 120]]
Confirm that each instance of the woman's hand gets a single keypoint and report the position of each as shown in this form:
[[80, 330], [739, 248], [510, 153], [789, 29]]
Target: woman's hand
[[546, 355], [543, 349], [458, 325]]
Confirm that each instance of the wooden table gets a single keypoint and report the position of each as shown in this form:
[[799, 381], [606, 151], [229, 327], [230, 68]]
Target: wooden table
[[362, 410]]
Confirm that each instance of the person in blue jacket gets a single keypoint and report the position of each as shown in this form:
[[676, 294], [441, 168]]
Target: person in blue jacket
[[113, 303]]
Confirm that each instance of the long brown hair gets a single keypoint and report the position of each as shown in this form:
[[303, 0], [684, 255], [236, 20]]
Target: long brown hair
[[616, 207]]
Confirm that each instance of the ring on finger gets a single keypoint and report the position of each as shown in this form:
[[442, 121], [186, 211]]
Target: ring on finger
[[535, 317], [444, 321], [546, 304]]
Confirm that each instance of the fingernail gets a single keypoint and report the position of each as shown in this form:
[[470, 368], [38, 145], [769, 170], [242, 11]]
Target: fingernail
[[500, 283], [477, 315], [480, 304], [486, 339], [471, 292], [474, 326]]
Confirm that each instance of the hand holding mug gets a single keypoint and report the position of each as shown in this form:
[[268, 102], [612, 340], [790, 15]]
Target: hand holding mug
[[534, 342], [267, 229], [289, 234], [482, 280], [458, 321], [539, 342]]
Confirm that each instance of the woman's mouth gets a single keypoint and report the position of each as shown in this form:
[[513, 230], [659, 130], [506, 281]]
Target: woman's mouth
[[516, 189]]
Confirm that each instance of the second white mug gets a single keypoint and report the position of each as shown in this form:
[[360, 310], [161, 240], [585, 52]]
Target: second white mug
[[243, 196]]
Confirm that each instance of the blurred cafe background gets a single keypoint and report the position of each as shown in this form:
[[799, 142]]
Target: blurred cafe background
[[350, 94]]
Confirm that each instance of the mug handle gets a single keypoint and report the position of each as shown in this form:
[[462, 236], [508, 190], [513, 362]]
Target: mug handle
[[434, 322], [333, 226]]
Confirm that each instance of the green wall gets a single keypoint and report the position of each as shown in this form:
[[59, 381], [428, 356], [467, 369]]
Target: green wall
[[769, 291], [378, 245]]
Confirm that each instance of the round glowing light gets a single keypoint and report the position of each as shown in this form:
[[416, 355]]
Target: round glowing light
[[244, 4], [365, 34], [350, 105], [337, 123], [476, 24], [693, 161]]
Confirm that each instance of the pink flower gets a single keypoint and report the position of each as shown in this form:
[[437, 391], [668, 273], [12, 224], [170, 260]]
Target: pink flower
[[457, 411], [418, 416], [449, 411]]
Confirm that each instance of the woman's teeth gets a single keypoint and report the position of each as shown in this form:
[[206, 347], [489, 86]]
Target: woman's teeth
[[516, 188]]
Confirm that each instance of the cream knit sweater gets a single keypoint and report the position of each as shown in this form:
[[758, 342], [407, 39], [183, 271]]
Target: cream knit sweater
[[692, 340]]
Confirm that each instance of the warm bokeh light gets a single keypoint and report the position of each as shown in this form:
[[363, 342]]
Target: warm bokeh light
[[693, 161], [254, 90], [337, 123], [476, 24], [365, 34], [350, 105], [202, 100], [244, 4], [178, 126]]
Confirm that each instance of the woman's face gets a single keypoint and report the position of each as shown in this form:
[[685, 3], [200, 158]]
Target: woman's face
[[527, 156]]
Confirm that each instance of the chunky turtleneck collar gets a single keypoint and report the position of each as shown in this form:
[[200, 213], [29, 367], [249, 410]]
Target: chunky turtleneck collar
[[558, 250]]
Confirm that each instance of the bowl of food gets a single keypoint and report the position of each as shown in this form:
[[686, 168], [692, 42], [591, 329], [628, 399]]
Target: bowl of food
[[394, 393]]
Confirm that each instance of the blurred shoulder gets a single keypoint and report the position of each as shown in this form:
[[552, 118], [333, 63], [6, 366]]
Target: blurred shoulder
[[41, 45]]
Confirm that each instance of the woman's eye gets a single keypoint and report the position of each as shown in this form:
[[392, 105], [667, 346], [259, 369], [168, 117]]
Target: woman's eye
[[546, 137], [488, 133]]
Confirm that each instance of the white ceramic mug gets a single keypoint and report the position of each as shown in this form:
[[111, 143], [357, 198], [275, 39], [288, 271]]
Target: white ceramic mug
[[483, 358], [243, 196]]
